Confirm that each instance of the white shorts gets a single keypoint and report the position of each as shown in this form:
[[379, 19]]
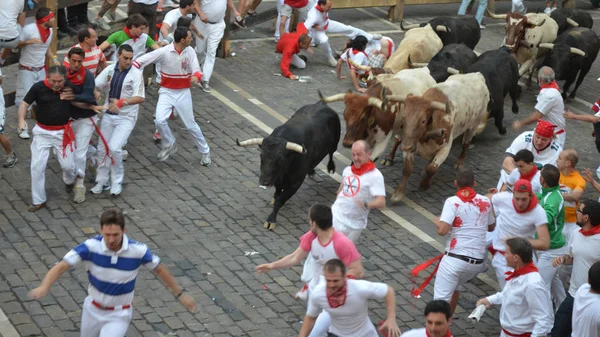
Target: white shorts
[[452, 274], [287, 10], [2, 111], [351, 233]]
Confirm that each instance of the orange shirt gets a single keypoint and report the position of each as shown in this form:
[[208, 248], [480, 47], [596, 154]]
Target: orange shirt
[[568, 184]]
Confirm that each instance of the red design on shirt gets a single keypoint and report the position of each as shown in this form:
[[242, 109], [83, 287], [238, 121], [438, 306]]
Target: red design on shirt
[[457, 222], [351, 186], [481, 204], [453, 243]]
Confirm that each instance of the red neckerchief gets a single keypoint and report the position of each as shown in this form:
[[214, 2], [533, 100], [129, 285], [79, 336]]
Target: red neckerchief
[[532, 203], [530, 174], [549, 86], [44, 32], [448, 334], [338, 298], [126, 30], [595, 230], [46, 83], [318, 7], [466, 194], [76, 78], [354, 52], [364, 168], [526, 269]]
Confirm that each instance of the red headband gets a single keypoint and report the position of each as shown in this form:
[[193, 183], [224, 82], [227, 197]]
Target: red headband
[[544, 129], [45, 18]]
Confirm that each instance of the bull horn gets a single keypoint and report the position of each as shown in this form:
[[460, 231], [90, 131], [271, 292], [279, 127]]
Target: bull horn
[[416, 25], [441, 28], [546, 45], [453, 71], [249, 142], [396, 98], [416, 64], [438, 106], [358, 66], [572, 22], [439, 133], [577, 51], [295, 147], [376, 102], [496, 16], [331, 99], [537, 23]]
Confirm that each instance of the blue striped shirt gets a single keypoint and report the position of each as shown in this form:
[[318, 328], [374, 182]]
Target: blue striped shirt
[[112, 274]]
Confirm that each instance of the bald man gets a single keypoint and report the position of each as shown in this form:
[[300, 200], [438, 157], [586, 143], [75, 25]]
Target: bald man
[[549, 106], [362, 189]]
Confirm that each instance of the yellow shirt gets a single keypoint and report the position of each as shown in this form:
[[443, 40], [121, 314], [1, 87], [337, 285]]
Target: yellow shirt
[[567, 185]]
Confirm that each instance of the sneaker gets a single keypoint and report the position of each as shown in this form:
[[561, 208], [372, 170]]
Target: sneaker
[[548, 10], [112, 16], [103, 25], [252, 13], [240, 22], [157, 135], [377, 36], [481, 26], [331, 61], [35, 208], [10, 160], [125, 154], [206, 159], [79, 195], [205, 86], [116, 189], [23, 133], [99, 188], [166, 152], [303, 293]]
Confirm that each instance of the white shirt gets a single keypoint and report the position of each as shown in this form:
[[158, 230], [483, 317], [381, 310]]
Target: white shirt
[[510, 224], [585, 251], [526, 305], [352, 318], [316, 17], [33, 55], [133, 86], [176, 69], [550, 104], [586, 313], [525, 142], [358, 57], [213, 9], [364, 188], [416, 333], [515, 175], [469, 221], [9, 13], [146, 2], [171, 19]]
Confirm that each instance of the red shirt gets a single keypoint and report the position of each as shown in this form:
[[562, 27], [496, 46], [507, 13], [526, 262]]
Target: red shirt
[[288, 46], [296, 3]]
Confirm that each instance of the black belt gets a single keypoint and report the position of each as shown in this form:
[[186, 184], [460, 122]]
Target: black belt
[[212, 23], [3, 40], [111, 113], [466, 258]]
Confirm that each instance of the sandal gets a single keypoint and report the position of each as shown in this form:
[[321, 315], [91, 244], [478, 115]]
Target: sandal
[[35, 208]]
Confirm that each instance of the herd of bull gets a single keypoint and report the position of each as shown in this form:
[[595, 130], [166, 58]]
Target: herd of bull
[[433, 89]]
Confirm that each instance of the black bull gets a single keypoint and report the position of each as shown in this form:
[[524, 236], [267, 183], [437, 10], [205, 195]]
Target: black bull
[[294, 149], [456, 30]]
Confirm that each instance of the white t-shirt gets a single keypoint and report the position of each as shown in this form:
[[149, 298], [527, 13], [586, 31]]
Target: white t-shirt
[[316, 17], [525, 142], [358, 57], [586, 313], [536, 185], [585, 251], [416, 333], [364, 187], [550, 104], [352, 318], [171, 19], [213, 9], [510, 224], [34, 55], [8, 18], [469, 221]]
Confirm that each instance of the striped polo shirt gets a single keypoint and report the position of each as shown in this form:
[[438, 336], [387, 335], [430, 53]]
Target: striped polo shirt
[[112, 274], [92, 58]]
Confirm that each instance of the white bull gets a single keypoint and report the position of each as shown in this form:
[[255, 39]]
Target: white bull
[[421, 44]]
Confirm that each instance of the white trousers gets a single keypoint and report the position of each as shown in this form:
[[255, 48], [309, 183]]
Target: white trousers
[[321, 39], [287, 23], [43, 141], [84, 130], [322, 325], [181, 100], [351, 233], [297, 62], [517, 6], [499, 264], [452, 274], [116, 130], [96, 322], [2, 111], [25, 80], [550, 274], [207, 47]]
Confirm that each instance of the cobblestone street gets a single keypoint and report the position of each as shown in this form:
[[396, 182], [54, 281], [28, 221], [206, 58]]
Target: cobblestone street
[[206, 223]]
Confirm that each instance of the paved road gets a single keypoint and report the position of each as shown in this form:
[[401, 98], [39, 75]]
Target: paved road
[[206, 222]]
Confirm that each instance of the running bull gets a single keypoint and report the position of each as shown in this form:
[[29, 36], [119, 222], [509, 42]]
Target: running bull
[[568, 18], [454, 30], [432, 121], [573, 52], [451, 60], [294, 149]]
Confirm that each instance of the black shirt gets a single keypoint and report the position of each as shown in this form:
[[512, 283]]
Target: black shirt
[[84, 93], [51, 109]]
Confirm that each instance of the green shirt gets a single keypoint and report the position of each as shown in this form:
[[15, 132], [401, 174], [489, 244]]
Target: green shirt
[[552, 202], [139, 45]]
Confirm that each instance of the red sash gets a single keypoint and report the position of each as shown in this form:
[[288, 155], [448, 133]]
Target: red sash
[[68, 136]]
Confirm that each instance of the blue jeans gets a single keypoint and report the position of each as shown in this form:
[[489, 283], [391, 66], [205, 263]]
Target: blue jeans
[[564, 318], [462, 10]]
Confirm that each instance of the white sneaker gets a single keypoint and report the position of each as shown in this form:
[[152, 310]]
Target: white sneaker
[[206, 161], [23, 133], [302, 294], [377, 36], [548, 10], [79, 194], [125, 154], [331, 61], [100, 22], [99, 188], [166, 152], [116, 189]]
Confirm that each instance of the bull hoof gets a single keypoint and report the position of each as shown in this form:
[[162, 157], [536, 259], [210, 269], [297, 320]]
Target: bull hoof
[[502, 130], [397, 196], [270, 225], [424, 185], [515, 109], [387, 161]]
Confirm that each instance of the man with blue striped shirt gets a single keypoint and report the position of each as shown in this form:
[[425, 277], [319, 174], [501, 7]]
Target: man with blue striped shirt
[[112, 261]]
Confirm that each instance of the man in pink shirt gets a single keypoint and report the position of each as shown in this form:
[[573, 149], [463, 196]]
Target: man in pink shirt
[[323, 243]]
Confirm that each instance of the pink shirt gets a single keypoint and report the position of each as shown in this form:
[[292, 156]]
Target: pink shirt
[[339, 247]]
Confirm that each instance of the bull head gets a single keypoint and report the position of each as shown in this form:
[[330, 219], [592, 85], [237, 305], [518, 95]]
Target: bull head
[[453, 71], [572, 22], [409, 27], [572, 50], [416, 64]]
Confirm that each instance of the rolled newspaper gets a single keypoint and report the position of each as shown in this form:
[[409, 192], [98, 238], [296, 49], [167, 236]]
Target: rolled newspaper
[[477, 313]]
